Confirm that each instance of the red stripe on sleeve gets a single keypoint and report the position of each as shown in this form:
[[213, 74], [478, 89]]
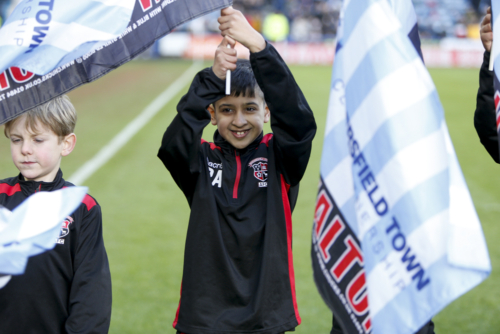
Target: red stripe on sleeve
[[89, 202], [8, 189], [212, 145], [288, 218]]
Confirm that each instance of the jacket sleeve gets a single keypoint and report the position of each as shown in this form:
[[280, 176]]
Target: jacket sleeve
[[181, 142], [90, 294], [484, 116], [292, 120]]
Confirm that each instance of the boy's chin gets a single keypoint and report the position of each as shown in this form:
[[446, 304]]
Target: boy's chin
[[240, 143]]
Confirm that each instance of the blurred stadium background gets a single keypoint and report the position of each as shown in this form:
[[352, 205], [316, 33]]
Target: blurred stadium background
[[145, 215]]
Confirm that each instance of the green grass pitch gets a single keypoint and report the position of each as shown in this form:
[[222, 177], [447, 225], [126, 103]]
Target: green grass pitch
[[145, 214]]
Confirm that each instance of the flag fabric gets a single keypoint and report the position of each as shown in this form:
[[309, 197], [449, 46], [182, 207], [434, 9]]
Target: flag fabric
[[395, 235], [495, 57], [69, 43], [41, 35], [33, 227]]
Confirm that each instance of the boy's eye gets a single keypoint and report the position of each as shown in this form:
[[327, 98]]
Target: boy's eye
[[15, 140], [226, 110]]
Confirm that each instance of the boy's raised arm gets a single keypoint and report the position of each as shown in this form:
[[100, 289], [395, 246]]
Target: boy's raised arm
[[181, 142], [292, 120], [484, 116]]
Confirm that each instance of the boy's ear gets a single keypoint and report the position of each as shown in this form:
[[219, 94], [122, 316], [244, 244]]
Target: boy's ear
[[267, 114], [69, 143], [211, 110]]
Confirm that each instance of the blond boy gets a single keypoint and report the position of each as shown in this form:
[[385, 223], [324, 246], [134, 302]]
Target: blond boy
[[66, 289]]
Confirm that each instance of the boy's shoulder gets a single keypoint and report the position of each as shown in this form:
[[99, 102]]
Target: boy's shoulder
[[10, 185], [88, 202]]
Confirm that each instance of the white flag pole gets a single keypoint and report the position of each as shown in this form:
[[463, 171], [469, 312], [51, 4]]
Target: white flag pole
[[492, 57], [228, 79]]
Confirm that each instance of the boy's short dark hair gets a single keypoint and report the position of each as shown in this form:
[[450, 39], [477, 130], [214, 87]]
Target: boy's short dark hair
[[243, 80]]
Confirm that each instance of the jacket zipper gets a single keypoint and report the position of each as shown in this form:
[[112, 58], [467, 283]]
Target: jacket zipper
[[238, 174]]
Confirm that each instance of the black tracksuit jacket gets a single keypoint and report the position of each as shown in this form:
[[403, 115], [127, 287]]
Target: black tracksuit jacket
[[66, 289], [484, 116], [238, 267]]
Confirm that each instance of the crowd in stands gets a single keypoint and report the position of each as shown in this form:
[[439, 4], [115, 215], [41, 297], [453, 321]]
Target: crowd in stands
[[316, 20], [445, 18]]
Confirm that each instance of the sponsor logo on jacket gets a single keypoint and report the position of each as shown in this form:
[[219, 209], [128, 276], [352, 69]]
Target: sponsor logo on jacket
[[212, 166]]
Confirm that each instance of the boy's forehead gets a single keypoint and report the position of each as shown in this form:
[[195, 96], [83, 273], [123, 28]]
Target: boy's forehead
[[21, 123], [239, 100]]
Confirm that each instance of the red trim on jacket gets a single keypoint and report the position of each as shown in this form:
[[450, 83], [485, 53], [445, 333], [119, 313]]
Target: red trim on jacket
[[212, 145], [178, 308], [288, 217], [8, 189], [238, 175], [89, 202], [266, 139]]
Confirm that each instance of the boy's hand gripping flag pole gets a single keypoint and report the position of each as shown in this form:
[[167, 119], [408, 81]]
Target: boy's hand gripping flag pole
[[395, 235], [64, 44]]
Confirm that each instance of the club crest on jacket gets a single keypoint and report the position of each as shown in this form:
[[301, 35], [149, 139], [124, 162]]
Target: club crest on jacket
[[259, 166], [64, 229]]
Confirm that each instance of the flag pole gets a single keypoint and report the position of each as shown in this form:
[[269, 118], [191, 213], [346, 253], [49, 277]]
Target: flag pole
[[492, 60], [228, 79], [490, 67]]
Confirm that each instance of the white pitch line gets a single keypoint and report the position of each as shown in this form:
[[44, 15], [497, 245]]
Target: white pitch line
[[122, 138]]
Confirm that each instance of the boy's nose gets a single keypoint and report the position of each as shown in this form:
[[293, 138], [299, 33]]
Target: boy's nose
[[26, 149], [239, 119]]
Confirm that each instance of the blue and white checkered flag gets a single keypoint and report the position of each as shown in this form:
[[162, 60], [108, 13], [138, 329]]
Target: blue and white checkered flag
[[41, 35], [396, 236], [33, 227]]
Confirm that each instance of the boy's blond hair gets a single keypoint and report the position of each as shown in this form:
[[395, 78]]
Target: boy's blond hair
[[58, 114]]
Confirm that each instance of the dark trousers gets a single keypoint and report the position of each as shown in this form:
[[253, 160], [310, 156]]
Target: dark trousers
[[427, 329]]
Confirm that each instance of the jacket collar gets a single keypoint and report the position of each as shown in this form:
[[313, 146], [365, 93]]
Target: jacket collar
[[226, 147], [30, 187]]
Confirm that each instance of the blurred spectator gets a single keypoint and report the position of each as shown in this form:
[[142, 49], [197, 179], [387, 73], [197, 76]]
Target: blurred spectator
[[276, 27]]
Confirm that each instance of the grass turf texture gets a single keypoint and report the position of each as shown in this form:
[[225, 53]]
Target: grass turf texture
[[145, 214]]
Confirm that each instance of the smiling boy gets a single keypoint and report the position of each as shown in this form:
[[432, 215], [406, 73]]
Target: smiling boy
[[66, 289], [238, 267]]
